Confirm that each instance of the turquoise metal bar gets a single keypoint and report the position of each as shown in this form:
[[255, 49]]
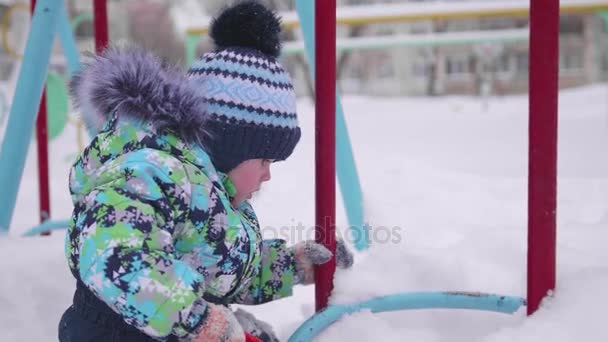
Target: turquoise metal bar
[[70, 49], [345, 161], [408, 301], [47, 226], [3, 107], [191, 44], [66, 35], [23, 113]]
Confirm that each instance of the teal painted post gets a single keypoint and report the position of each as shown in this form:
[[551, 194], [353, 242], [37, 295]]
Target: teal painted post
[[191, 45], [345, 161], [68, 42], [23, 113], [65, 29]]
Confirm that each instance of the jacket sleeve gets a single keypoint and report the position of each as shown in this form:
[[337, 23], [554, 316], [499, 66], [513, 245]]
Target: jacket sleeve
[[275, 272], [127, 257], [275, 275]]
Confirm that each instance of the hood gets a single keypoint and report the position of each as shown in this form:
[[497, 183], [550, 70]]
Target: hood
[[134, 83]]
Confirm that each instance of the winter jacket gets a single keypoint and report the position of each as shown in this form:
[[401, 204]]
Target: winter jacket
[[153, 232]]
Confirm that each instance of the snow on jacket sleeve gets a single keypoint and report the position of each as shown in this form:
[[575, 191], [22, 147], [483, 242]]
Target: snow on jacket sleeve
[[127, 257]]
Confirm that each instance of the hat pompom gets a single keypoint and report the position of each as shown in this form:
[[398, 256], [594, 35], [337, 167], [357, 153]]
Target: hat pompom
[[248, 24]]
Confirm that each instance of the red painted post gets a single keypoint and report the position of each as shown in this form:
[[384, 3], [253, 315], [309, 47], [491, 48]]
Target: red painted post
[[42, 144], [542, 176], [100, 19], [325, 145], [42, 139]]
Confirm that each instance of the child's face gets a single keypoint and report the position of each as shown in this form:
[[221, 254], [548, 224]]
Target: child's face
[[247, 177]]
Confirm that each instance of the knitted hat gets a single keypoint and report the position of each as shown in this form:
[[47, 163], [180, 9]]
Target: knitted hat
[[250, 97]]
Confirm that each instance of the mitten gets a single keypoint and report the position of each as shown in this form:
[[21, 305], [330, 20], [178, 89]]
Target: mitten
[[220, 324], [308, 253], [255, 327], [344, 257]]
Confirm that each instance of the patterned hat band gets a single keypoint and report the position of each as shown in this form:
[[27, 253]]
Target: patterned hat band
[[252, 105]]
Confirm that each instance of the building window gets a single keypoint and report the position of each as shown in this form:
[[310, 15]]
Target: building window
[[459, 66], [504, 63], [522, 62], [421, 69], [571, 25], [353, 69], [571, 60], [385, 69]]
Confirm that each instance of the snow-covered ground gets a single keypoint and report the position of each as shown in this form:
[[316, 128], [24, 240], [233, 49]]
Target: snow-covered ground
[[446, 179]]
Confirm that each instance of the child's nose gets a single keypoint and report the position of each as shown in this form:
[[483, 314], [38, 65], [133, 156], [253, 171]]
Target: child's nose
[[266, 177]]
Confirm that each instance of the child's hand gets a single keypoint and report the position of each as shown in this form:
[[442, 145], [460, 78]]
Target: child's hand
[[308, 253], [220, 325]]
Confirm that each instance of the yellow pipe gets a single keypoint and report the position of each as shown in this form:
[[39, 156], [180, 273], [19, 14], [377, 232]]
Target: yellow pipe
[[475, 14], [79, 124], [480, 14], [6, 22]]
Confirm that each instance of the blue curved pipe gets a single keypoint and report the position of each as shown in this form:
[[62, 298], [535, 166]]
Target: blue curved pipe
[[47, 226], [408, 301]]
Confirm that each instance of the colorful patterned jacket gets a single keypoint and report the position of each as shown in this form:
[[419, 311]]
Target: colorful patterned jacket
[[153, 233]]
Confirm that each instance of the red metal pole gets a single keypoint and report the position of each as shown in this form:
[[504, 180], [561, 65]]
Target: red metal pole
[[42, 143], [101, 25], [542, 176], [325, 147]]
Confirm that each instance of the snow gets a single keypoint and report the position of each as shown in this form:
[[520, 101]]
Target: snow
[[446, 179]]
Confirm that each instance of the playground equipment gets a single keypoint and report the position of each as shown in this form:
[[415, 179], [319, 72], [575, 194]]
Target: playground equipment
[[544, 31], [408, 301], [343, 157], [57, 105], [49, 18], [544, 68], [324, 70], [23, 114]]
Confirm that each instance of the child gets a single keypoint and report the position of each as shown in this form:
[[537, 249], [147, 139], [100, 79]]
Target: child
[[162, 236]]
